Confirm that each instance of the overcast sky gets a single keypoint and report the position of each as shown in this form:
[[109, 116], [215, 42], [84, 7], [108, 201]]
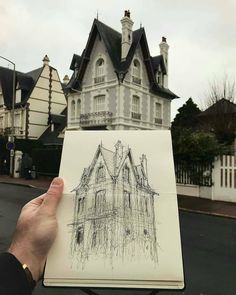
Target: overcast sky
[[201, 35]]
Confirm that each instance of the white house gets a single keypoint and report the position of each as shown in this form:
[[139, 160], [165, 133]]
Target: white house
[[39, 98], [116, 83]]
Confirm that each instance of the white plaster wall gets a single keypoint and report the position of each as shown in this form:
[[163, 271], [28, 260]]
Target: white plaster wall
[[188, 190], [99, 51]]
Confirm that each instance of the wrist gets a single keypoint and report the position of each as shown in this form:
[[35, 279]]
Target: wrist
[[27, 259]]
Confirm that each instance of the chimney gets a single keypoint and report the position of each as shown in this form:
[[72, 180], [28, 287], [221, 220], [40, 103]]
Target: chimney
[[127, 34], [164, 47], [46, 60], [66, 79]]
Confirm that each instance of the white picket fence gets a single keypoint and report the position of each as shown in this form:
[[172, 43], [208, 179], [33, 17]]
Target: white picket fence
[[223, 182], [224, 179]]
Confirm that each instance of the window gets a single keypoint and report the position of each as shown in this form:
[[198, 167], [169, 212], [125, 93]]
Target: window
[[159, 78], [81, 205], [126, 174], [146, 205], [101, 173], [136, 77], [100, 201], [158, 113], [80, 235], [99, 71], [127, 200], [78, 108], [136, 108], [72, 109], [99, 103]]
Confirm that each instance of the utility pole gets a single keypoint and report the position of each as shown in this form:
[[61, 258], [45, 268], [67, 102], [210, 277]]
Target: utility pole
[[11, 138]]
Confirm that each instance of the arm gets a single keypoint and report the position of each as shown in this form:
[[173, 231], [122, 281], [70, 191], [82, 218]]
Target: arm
[[35, 232]]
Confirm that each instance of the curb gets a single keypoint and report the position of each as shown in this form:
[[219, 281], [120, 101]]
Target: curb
[[22, 184], [207, 213]]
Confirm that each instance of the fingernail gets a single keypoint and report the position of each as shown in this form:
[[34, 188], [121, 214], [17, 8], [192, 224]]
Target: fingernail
[[57, 181]]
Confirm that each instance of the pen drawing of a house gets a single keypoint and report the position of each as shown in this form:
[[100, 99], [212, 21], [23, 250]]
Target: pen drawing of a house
[[114, 215]]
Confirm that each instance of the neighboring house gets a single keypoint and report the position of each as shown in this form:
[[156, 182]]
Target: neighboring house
[[117, 84], [114, 209], [39, 97], [220, 119]]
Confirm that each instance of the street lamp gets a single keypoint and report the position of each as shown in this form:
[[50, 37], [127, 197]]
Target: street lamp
[[12, 114]]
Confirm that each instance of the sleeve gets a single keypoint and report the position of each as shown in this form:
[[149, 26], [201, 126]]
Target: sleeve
[[13, 280]]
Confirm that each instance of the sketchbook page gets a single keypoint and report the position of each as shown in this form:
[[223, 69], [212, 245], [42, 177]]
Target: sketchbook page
[[118, 219]]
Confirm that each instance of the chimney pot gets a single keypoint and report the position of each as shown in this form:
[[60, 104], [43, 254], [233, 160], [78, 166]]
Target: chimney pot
[[163, 39]]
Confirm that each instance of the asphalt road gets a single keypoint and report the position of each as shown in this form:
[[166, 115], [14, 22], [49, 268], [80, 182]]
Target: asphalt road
[[209, 248]]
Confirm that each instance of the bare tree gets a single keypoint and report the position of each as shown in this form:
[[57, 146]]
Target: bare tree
[[218, 89]]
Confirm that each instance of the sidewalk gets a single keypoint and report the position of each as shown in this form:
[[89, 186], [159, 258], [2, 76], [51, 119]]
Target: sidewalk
[[43, 182], [186, 203]]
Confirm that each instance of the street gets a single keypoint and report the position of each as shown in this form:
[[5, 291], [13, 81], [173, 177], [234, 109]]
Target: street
[[209, 248]]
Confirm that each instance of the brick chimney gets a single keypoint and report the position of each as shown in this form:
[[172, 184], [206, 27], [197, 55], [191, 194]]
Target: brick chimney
[[164, 48], [127, 34]]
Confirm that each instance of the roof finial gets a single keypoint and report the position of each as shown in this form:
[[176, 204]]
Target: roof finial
[[46, 60], [97, 14]]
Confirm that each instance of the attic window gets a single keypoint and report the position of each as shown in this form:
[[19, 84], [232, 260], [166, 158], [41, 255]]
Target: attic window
[[126, 174], [136, 75], [159, 78], [100, 173], [99, 71]]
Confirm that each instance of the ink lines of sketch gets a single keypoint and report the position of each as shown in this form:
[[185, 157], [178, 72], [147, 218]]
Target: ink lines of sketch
[[114, 218]]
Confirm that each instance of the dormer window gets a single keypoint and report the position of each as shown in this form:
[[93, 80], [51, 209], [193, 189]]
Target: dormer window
[[99, 71], [126, 174], [101, 174], [136, 75]]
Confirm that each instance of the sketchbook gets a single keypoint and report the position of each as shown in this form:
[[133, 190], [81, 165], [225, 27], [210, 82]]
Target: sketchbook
[[118, 223]]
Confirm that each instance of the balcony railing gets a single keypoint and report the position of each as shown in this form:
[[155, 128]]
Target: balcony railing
[[99, 79], [158, 120], [96, 119], [136, 116]]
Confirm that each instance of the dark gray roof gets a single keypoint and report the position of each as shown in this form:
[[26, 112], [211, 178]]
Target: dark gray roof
[[51, 137], [35, 74], [76, 61], [112, 41], [26, 84], [222, 106]]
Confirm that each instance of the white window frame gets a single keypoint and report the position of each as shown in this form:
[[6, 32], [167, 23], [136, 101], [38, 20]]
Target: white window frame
[[136, 107], [136, 72], [158, 112], [72, 109], [99, 103], [99, 76]]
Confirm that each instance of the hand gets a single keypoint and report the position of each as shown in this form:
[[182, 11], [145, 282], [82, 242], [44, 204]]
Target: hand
[[36, 229]]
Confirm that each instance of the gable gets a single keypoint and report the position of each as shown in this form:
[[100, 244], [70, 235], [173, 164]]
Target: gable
[[98, 51], [112, 43]]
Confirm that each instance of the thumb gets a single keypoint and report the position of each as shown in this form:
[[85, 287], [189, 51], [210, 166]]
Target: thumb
[[53, 195]]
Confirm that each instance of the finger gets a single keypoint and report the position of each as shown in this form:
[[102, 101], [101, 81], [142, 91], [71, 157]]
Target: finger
[[53, 195]]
